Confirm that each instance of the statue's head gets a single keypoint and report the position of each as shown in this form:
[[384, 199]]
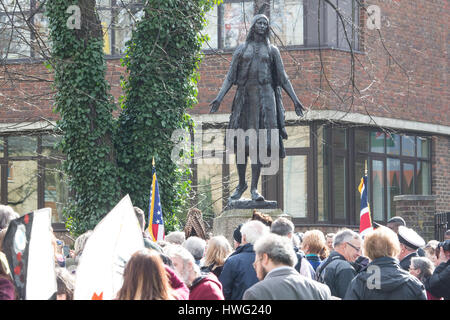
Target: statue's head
[[259, 24]]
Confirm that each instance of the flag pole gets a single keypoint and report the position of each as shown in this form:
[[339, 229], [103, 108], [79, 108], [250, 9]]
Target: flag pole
[[365, 167], [153, 161]]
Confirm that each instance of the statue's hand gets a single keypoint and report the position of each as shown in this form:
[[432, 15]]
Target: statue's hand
[[299, 108], [214, 105]]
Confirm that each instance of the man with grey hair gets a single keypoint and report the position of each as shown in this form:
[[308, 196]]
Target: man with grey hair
[[238, 274], [196, 246], [285, 228], [274, 264], [175, 237], [337, 271]]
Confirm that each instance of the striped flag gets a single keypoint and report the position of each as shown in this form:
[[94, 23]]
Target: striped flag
[[156, 223], [365, 224]]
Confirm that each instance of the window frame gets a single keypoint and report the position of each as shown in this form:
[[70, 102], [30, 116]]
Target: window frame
[[39, 158]]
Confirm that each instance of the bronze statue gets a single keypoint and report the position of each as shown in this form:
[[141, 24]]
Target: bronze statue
[[258, 71]]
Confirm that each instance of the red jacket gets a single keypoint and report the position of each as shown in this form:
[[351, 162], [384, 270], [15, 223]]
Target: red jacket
[[206, 287]]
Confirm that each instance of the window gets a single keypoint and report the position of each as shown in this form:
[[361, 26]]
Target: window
[[31, 175], [14, 33], [118, 18], [336, 21], [229, 23], [399, 164], [317, 183]]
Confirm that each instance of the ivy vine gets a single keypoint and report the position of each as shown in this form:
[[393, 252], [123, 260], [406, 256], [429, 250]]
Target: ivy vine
[[107, 158], [85, 106]]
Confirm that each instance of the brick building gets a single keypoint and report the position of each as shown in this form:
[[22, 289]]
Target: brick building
[[374, 95]]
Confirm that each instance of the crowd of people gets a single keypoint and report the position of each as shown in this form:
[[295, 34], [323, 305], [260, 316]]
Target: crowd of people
[[268, 260]]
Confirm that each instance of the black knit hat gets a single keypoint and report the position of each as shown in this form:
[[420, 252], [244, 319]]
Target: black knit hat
[[237, 233]]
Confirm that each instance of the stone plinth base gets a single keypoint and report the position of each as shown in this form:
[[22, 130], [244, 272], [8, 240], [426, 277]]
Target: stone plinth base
[[229, 219]]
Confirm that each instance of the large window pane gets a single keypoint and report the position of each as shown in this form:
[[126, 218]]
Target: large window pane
[[348, 25], [408, 146], [423, 178], [14, 37], [361, 140], [378, 189], [377, 141], [211, 29], [237, 19], [408, 178], [340, 188], [393, 184], [339, 138], [393, 144], [423, 147], [49, 147], [55, 190], [295, 186], [298, 137], [323, 179], [22, 186], [286, 20], [126, 22], [106, 21], [41, 43], [22, 146]]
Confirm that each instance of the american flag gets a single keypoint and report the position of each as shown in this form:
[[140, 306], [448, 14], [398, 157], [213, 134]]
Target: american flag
[[156, 223], [365, 224]]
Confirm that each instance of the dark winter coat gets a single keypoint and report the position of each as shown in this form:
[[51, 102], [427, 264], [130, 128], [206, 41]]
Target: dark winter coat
[[238, 274], [439, 282], [406, 261], [206, 287], [393, 283], [336, 273]]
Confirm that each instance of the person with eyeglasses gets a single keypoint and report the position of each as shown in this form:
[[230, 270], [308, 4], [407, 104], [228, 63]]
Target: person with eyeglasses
[[274, 263], [384, 279], [337, 270]]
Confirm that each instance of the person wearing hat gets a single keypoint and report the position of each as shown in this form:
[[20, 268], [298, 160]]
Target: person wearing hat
[[410, 241], [237, 237], [395, 222]]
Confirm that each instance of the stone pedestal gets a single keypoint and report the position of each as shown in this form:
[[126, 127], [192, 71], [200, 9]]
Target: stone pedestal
[[418, 212], [228, 220]]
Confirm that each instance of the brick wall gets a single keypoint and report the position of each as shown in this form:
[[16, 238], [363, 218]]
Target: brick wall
[[440, 172], [404, 76], [418, 212]]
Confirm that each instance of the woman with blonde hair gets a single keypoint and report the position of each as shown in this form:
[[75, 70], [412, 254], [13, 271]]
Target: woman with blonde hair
[[217, 252], [314, 245], [145, 278], [384, 279]]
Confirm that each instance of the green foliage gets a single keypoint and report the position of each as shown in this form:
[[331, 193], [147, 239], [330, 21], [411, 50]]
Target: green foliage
[[85, 109], [162, 60], [108, 158]]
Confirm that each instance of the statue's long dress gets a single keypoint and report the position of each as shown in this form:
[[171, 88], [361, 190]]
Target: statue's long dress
[[257, 103]]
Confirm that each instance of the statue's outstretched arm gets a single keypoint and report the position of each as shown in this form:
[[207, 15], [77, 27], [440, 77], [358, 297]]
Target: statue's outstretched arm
[[286, 84], [230, 79]]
